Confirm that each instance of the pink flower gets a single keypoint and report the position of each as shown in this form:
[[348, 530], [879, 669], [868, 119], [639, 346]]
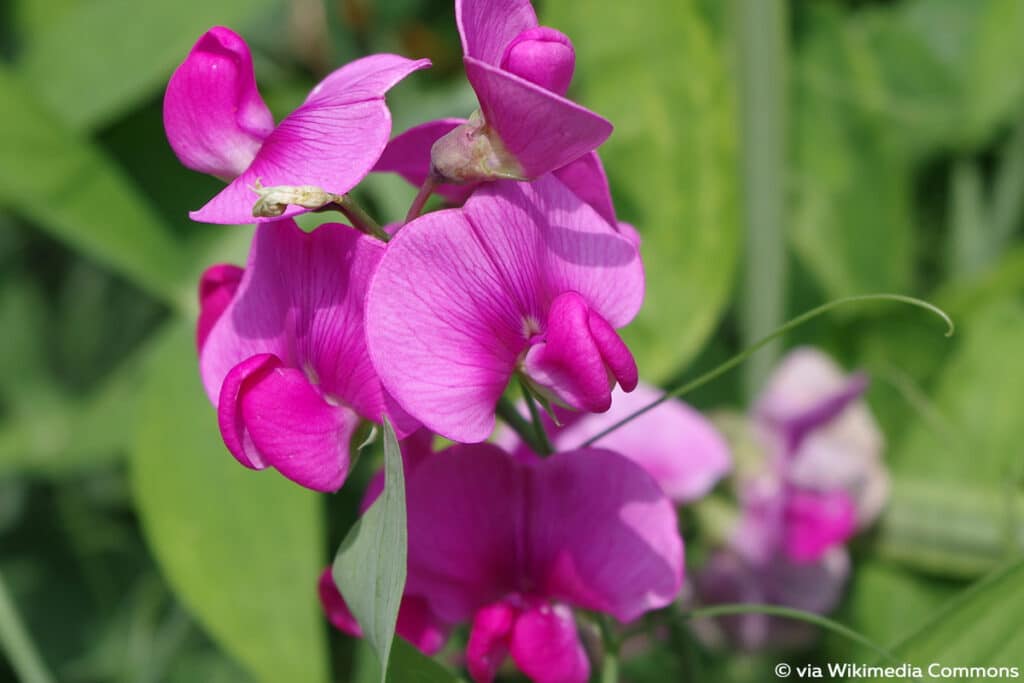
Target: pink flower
[[524, 278], [217, 123], [511, 547], [284, 357], [520, 72], [674, 443]]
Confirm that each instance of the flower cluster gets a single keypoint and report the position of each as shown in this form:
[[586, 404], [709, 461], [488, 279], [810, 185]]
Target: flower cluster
[[524, 278], [816, 480]]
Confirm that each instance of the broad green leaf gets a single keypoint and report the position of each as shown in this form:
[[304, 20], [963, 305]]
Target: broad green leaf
[[370, 566], [978, 396], [241, 549], [103, 57], [68, 187], [955, 529], [981, 627], [852, 211], [887, 603], [656, 70]]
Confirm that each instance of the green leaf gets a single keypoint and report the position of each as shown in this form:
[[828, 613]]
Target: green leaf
[[240, 548], [657, 70], [370, 566], [981, 627], [852, 222], [406, 665], [68, 187], [103, 57], [954, 529]]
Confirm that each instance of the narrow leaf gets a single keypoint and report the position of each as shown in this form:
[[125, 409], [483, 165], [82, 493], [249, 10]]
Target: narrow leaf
[[370, 566]]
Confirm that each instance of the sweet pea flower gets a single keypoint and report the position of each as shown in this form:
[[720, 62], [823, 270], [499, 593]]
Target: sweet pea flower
[[821, 481], [282, 351], [525, 278], [217, 123], [673, 442], [512, 547], [520, 72], [813, 415]]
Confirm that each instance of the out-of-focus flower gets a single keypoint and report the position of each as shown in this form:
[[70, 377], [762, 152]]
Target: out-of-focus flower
[[217, 123], [821, 479], [284, 356], [524, 278], [512, 546], [520, 72], [674, 443]]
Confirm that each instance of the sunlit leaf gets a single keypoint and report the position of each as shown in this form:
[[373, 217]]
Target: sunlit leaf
[[241, 549], [370, 566]]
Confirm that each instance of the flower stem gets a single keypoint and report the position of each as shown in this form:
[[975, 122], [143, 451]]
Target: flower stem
[[519, 424], [421, 198], [361, 220], [15, 641], [538, 426], [610, 660]]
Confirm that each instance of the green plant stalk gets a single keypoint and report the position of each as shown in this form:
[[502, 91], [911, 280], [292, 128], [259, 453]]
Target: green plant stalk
[[15, 641], [762, 47], [728, 365], [519, 424], [361, 220], [610, 658], [798, 615]]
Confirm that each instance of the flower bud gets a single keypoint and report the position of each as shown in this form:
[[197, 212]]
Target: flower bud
[[473, 152], [543, 56]]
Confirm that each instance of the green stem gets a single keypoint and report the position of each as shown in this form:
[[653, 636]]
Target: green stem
[[15, 641], [610, 659], [360, 219], [538, 425], [764, 341], [762, 75], [421, 198], [795, 614], [519, 424]]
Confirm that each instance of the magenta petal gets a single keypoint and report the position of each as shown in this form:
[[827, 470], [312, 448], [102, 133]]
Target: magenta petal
[[334, 606], [459, 294], [465, 508], [408, 155], [614, 352], [542, 130], [674, 443], [543, 56], [816, 522], [604, 536], [332, 141], [488, 26], [546, 646], [301, 299], [217, 287], [229, 414], [214, 116], [294, 429], [586, 177], [489, 640], [568, 362]]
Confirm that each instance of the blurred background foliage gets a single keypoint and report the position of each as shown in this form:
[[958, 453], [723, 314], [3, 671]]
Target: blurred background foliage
[[135, 549]]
